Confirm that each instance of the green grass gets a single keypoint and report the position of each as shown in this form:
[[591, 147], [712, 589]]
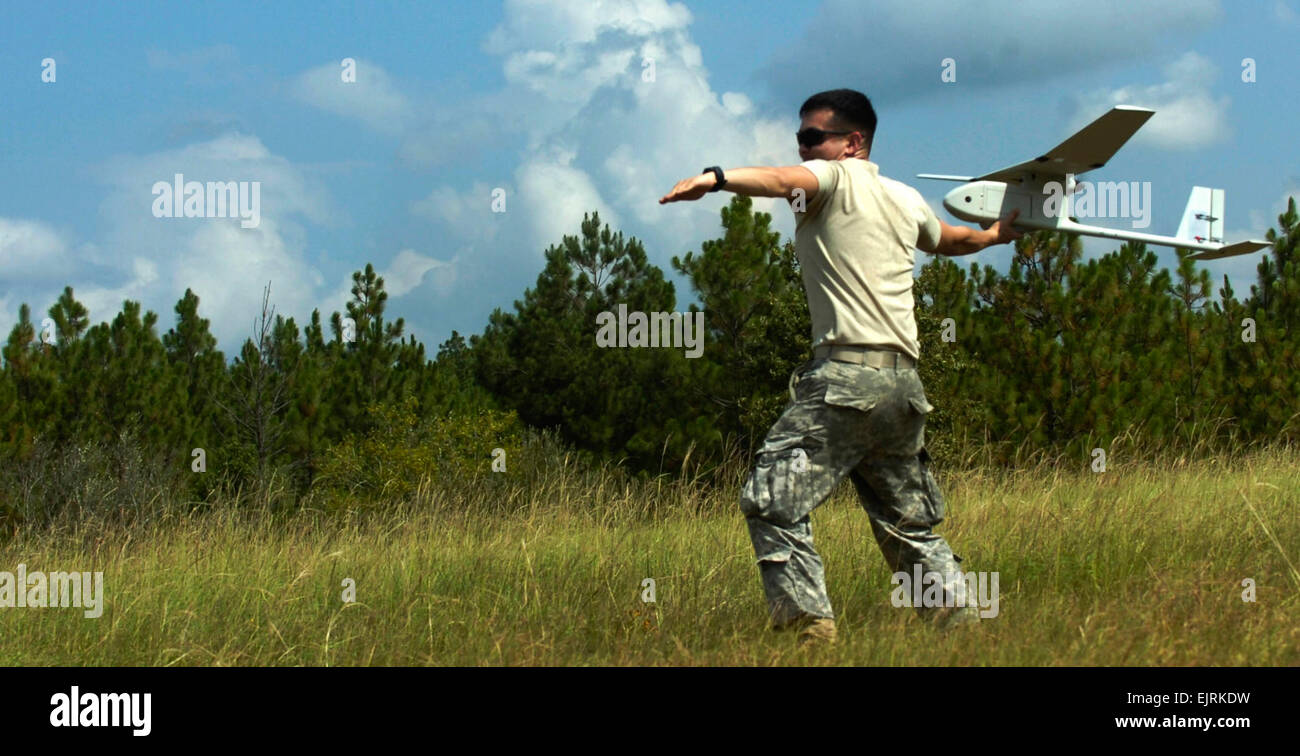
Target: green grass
[[1140, 565]]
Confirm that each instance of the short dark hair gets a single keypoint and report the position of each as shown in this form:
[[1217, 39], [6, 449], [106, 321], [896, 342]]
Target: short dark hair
[[851, 111]]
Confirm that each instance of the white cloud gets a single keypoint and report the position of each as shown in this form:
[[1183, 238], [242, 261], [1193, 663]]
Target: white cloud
[[555, 195], [467, 214], [898, 44], [1188, 116], [43, 260], [595, 135], [374, 98], [231, 292], [534, 24], [153, 260], [737, 104], [408, 269], [601, 137], [104, 302], [227, 266], [32, 251]]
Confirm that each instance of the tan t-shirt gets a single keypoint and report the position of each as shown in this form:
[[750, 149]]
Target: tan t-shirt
[[855, 245]]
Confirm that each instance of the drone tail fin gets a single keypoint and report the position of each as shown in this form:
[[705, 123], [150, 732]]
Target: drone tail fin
[[1203, 218]]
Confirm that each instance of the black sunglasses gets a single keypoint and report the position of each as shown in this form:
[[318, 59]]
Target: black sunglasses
[[811, 137]]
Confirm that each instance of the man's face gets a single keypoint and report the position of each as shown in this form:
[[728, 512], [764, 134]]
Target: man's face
[[833, 147]]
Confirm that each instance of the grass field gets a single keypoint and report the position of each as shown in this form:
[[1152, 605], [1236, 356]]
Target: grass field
[[1139, 565]]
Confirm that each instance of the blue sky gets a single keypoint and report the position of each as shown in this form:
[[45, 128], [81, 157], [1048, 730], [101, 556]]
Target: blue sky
[[547, 101]]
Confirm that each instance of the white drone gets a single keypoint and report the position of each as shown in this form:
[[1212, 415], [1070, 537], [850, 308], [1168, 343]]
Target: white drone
[[1028, 187]]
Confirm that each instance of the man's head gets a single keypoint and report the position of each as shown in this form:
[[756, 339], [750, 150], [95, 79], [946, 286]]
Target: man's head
[[838, 110]]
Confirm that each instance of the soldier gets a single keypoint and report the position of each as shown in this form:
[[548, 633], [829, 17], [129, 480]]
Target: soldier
[[858, 407]]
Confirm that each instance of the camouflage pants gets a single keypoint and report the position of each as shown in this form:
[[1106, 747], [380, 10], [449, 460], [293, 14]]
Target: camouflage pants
[[844, 419]]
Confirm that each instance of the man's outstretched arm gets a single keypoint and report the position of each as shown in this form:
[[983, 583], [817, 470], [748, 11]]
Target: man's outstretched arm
[[955, 241], [780, 181]]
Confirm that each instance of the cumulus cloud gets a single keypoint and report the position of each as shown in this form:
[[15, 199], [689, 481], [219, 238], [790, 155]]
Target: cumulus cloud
[[32, 252], [374, 98], [893, 48], [554, 193], [532, 25], [1262, 220], [407, 272], [627, 108], [466, 213], [35, 255], [42, 259], [225, 264], [605, 106], [1188, 115]]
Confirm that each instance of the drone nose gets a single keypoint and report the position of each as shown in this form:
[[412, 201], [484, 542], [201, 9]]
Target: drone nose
[[966, 201]]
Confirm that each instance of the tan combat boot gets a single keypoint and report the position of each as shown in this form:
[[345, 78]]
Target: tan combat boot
[[818, 632]]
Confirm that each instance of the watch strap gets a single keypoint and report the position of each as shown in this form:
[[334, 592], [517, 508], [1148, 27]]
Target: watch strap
[[721, 179]]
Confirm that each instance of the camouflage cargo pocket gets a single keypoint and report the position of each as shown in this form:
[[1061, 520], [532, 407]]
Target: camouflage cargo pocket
[[855, 386], [894, 403], [919, 409], [781, 486]]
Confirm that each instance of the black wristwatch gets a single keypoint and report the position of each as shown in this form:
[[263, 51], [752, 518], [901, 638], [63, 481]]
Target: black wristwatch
[[717, 171]]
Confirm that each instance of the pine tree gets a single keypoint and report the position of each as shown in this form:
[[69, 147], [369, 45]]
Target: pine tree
[[69, 362], [1270, 409], [31, 385], [757, 319], [943, 293], [307, 435], [254, 399], [192, 350], [70, 318], [370, 370], [543, 361]]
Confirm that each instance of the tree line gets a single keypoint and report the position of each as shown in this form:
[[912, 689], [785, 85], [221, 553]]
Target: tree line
[[1057, 356]]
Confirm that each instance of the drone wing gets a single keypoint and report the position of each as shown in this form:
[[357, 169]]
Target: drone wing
[[1091, 147], [1232, 250]]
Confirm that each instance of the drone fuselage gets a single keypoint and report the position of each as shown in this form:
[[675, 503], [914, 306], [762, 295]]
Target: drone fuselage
[[1043, 190], [984, 202]]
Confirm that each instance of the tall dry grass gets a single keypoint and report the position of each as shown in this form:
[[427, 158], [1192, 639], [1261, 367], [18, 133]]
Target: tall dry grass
[[1139, 565]]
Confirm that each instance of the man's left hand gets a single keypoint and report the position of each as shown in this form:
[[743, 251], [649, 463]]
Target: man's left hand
[[1003, 232]]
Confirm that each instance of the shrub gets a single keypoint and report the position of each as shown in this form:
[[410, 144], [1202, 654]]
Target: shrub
[[403, 449]]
